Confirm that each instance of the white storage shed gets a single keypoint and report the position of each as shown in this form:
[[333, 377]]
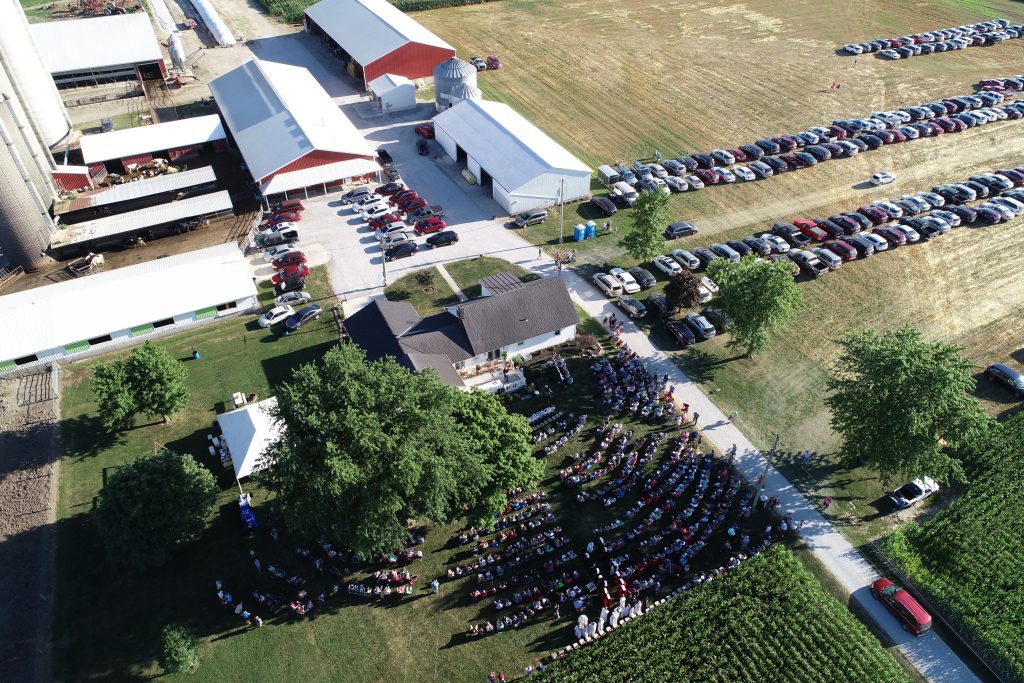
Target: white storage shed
[[393, 93], [524, 168]]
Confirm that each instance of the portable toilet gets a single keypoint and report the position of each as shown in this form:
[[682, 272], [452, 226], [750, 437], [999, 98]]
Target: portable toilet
[[591, 229], [579, 233]]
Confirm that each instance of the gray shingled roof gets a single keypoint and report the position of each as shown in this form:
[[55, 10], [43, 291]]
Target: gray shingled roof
[[377, 326], [439, 333], [501, 282], [439, 363], [535, 308]]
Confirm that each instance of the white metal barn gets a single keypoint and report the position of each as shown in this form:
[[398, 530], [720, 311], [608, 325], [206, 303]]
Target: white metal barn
[[393, 93], [96, 313], [525, 168]]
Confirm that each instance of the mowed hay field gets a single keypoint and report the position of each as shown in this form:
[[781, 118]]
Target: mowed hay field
[[618, 80]]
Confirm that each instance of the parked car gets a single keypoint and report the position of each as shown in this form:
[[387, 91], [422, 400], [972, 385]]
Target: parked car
[[700, 326], [293, 299], [275, 315], [632, 307], [273, 239], [681, 331], [531, 217], [365, 200], [643, 277], [864, 247], [384, 219], [659, 303], [389, 189], [608, 284], [426, 130], [877, 241], [285, 217], [400, 251], [791, 234], [442, 239], [422, 147], [430, 225], [277, 252], [903, 606], [718, 318], [744, 173], [375, 211], [808, 262], [303, 316], [629, 285], [778, 245], [604, 205], [666, 265], [288, 259], [291, 284], [1008, 377], [355, 195], [726, 252], [679, 229], [705, 256], [685, 259], [412, 204], [403, 195], [828, 257], [385, 230], [287, 205], [758, 245], [425, 212], [910, 493], [739, 247]]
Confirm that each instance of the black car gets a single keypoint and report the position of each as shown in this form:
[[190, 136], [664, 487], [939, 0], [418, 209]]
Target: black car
[[658, 302], [966, 213], [980, 191], [705, 256], [819, 152], [988, 216], [442, 239], [680, 229], [385, 158], [277, 238], [389, 189], [605, 205], [769, 146], [302, 316], [757, 244], [681, 331], [863, 221], [753, 152], [791, 234], [741, 248], [291, 284], [401, 251], [872, 141], [808, 159], [864, 247], [704, 160], [423, 147], [831, 227], [689, 163], [778, 165], [425, 212], [1007, 376], [643, 277]]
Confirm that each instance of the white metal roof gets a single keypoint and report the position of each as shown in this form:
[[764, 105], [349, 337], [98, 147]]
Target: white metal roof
[[510, 148], [315, 175], [248, 433], [166, 182], [111, 226], [278, 113], [387, 83], [96, 42], [370, 29], [143, 139], [87, 307]]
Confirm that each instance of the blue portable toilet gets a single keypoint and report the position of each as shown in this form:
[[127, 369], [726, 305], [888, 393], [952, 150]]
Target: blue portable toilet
[[591, 229], [579, 233]]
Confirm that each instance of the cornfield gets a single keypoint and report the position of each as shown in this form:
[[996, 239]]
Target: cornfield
[[292, 10]]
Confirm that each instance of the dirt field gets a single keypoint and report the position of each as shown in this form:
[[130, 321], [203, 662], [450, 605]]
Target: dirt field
[[29, 448], [616, 81]]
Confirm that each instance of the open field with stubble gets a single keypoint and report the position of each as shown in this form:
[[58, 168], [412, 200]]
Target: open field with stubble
[[617, 80]]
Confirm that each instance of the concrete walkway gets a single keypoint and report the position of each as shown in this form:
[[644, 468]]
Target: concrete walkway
[[929, 654], [451, 283]]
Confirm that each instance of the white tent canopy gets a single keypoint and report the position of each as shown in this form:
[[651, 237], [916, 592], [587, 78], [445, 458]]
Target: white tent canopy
[[248, 432]]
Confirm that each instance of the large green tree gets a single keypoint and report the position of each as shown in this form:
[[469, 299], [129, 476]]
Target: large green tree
[[645, 240], [682, 291], [158, 380], [152, 504], [149, 381], [759, 295], [114, 397], [370, 445], [902, 404]]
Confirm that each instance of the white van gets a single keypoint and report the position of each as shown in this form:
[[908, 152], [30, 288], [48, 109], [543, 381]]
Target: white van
[[627, 193], [608, 176]]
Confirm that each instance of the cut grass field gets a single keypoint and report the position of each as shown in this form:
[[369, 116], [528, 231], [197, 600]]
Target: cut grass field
[[719, 75], [430, 296]]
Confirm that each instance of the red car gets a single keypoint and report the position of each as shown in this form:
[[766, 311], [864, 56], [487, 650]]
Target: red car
[[428, 225], [874, 214], [412, 204], [386, 219], [708, 176], [292, 271], [285, 217], [810, 228], [426, 130], [402, 196], [901, 603], [738, 154], [289, 259], [841, 249]]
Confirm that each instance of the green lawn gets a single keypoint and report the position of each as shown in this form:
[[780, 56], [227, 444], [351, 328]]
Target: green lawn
[[108, 619], [426, 296], [468, 273]]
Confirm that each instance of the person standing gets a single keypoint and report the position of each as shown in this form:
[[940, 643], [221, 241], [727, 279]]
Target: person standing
[[434, 586]]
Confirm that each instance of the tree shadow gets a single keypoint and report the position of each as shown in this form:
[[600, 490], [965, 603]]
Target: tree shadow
[[85, 436]]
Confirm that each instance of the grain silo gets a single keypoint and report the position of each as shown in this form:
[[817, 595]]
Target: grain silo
[[28, 77], [465, 91], [447, 75]]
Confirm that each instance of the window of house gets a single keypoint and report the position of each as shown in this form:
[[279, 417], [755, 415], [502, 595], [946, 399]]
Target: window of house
[[492, 355], [558, 333]]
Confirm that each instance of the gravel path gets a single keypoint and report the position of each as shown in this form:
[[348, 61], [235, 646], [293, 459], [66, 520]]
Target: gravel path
[[29, 450]]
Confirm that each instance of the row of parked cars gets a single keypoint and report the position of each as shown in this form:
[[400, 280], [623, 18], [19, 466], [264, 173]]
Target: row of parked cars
[[397, 215], [843, 138], [817, 246], [955, 38]]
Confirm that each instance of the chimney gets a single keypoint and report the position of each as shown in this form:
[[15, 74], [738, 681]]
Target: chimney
[[462, 313]]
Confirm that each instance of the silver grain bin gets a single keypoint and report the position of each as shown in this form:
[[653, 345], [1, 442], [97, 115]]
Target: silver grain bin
[[447, 75]]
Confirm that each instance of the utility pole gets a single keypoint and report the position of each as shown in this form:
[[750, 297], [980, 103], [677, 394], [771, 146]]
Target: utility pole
[[561, 209], [768, 460], [383, 264]]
